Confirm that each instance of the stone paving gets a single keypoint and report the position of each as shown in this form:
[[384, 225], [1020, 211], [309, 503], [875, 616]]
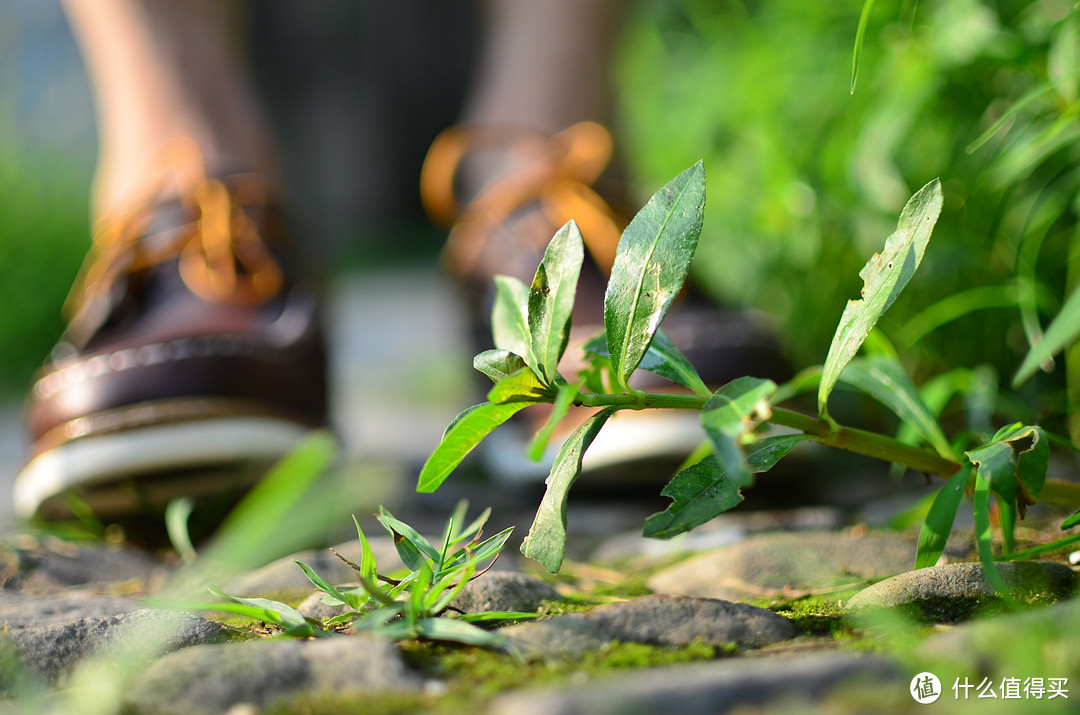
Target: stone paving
[[72, 612], [746, 590]]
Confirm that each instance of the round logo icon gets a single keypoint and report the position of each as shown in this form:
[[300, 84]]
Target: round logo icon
[[925, 688]]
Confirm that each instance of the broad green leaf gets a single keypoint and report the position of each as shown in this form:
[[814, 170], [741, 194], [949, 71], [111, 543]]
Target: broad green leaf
[[551, 299], [884, 379], [498, 364], [510, 318], [473, 425], [983, 539], [1062, 331], [400, 530], [939, 522], [884, 277], [729, 415], [650, 266], [1014, 462], [546, 542], [703, 490], [663, 358], [860, 37], [457, 631], [564, 400], [522, 387]]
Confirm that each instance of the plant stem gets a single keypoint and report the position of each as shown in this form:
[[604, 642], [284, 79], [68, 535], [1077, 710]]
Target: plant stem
[[850, 439]]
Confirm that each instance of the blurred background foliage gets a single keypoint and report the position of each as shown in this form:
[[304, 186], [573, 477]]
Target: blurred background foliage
[[805, 178]]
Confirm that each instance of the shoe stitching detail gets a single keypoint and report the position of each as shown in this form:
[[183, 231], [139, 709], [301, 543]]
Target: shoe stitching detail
[[180, 349]]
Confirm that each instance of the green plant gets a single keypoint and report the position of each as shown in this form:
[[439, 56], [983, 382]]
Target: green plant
[[414, 606], [531, 325]]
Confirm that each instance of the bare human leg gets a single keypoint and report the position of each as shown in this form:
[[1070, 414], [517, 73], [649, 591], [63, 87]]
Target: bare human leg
[[162, 70]]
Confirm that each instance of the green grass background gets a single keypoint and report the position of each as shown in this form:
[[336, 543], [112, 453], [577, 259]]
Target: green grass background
[[805, 179]]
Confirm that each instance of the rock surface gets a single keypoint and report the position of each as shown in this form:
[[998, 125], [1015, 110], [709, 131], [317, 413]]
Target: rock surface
[[701, 688], [51, 652], [214, 678], [786, 564], [504, 591], [659, 620], [954, 591]]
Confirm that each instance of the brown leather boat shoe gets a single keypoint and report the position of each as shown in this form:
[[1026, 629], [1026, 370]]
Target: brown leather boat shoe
[[193, 358]]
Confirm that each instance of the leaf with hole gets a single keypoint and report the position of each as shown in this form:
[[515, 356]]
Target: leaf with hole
[[884, 276], [650, 266], [1014, 463]]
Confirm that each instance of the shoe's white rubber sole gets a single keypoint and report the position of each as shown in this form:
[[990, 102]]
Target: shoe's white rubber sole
[[201, 455], [629, 438]]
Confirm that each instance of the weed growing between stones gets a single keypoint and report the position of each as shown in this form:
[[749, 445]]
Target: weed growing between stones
[[405, 608], [531, 327]]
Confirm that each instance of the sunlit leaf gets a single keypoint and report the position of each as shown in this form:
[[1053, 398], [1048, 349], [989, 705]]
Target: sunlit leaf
[[510, 318], [551, 299], [522, 386], [884, 276], [885, 380], [1071, 521], [939, 521], [703, 490], [498, 364], [462, 438], [546, 542], [650, 266]]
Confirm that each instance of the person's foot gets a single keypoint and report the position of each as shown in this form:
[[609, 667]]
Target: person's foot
[[503, 227], [193, 358]]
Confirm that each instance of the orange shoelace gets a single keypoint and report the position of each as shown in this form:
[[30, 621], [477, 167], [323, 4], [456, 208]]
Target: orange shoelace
[[222, 257], [558, 173]]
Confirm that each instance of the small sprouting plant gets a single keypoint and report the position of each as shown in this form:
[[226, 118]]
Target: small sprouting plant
[[531, 324], [415, 605]]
